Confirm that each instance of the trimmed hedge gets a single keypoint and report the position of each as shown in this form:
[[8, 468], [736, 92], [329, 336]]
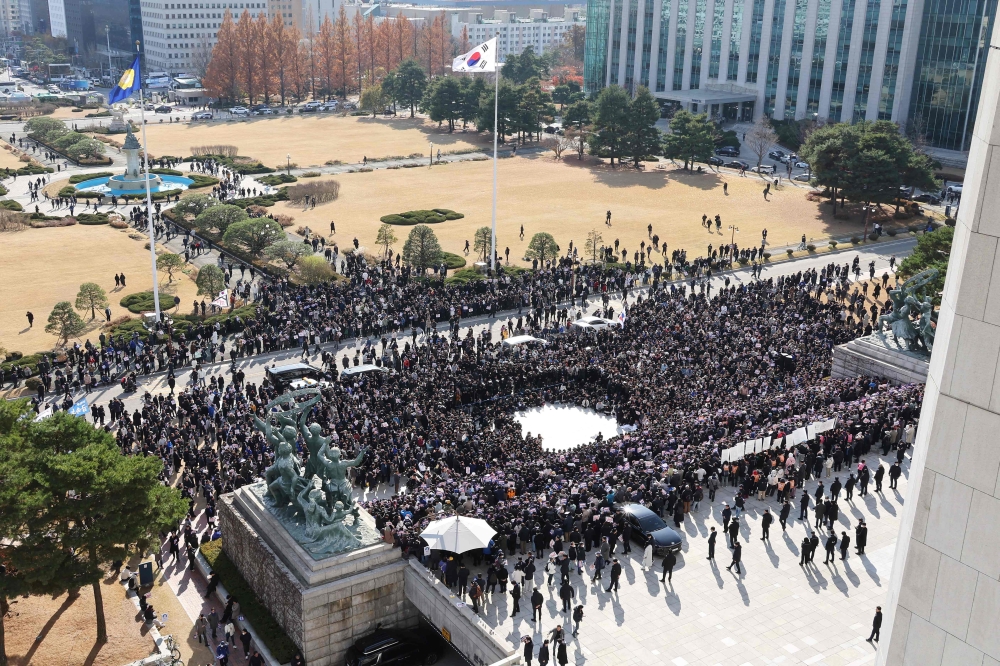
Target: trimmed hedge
[[464, 276], [81, 177], [265, 200], [276, 179], [412, 217], [68, 191], [269, 631], [139, 302], [452, 260], [10, 204], [92, 218]]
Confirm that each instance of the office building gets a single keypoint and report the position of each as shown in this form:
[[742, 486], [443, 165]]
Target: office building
[[515, 27], [910, 61], [179, 36]]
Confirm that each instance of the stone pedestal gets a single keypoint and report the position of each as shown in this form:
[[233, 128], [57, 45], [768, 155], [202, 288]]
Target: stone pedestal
[[873, 356], [323, 605]]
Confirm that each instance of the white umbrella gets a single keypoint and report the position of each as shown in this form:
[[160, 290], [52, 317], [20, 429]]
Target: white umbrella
[[458, 535]]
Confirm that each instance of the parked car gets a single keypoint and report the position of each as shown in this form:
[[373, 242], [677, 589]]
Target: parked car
[[801, 165], [764, 168], [150, 107], [350, 106], [954, 189], [647, 527], [400, 648], [736, 164], [239, 111], [802, 178], [727, 151], [295, 376], [163, 108], [927, 199], [716, 161], [308, 109], [314, 104], [265, 111], [776, 154], [329, 106], [202, 115]]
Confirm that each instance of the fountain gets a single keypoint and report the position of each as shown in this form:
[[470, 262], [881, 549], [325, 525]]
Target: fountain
[[133, 181]]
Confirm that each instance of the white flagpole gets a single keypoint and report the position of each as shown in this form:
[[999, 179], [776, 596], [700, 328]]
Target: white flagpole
[[149, 196], [496, 131]]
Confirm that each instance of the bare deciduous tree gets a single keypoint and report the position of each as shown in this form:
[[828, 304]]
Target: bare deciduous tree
[[760, 138]]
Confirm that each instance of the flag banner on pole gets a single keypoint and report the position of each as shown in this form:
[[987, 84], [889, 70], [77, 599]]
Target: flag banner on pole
[[80, 407], [44, 414], [621, 316], [222, 300], [128, 84], [483, 58]]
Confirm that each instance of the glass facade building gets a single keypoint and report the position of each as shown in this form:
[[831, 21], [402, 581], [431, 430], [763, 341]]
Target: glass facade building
[[920, 64]]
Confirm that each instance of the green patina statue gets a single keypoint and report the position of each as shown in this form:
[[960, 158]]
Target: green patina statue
[[912, 320]]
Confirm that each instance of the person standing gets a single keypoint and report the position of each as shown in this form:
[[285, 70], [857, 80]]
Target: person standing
[[879, 474], [529, 650], [566, 593], [804, 546], [561, 657], [463, 580], [786, 509], [734, 531], [737, 556], [804, 507], [813, 546], [765, 524], [845, 543], [861, 537], [543, 653], [515, 593], [536, 604], [831, 546], [669, 562], [31, 319], [616, 572], [713, 535], [201, 627], [577, 619], [213, 622], [876, 625], [647, 557]]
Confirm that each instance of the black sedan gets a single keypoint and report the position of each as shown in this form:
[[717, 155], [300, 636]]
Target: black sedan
[[716, 161], [728, 151], [928, 199], [389, 646], [647, 527], [737, 164]]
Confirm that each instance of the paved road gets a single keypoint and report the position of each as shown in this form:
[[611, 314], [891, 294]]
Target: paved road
[[254, 367]]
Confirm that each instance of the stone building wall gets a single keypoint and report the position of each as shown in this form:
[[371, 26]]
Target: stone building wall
[[274, 584]]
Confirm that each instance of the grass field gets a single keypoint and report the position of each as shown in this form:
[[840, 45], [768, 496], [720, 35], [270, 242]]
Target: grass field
[[568, 200], [311, 140], [55, 262], [8, 160]]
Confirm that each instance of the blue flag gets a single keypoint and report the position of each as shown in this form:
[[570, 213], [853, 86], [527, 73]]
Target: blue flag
[[79, 408], [128, 84]]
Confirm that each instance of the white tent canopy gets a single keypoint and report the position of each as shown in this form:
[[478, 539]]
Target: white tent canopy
[[457, 534]]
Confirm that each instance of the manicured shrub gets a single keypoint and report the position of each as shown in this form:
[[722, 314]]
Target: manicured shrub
[[276, 179], [453, 261], [139, 302], [433, 216]]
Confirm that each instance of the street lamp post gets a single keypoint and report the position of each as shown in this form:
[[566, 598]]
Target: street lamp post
[[107, 35], [735, 229], [288, 163], [432, 155]]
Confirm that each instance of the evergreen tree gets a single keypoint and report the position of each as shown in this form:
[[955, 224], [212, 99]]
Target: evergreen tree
[[409, 85], [422, 249], [90, 297], [518, 68], [542, 247], [642, 139], [443, 100], [576, 123], [691, 138], [210, 280], [611, 122], [64, 322]]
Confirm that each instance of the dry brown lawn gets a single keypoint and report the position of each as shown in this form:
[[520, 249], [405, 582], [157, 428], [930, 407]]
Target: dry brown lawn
[[44, 631], [52, 264], [311, 140], [8, 160], [568, 200]]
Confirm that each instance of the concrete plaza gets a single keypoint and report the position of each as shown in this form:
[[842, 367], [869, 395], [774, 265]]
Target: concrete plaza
[[775, 612]]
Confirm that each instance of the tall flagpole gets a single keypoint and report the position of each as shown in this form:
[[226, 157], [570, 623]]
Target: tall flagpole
[[496, 131], [149, 196]]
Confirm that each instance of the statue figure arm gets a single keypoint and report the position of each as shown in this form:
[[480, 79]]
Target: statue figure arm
[[357, 461]]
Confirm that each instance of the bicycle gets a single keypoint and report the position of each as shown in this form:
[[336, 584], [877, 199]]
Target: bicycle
[[174, 659]]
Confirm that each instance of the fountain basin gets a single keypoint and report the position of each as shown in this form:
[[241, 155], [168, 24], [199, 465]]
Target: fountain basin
[[124, 185]]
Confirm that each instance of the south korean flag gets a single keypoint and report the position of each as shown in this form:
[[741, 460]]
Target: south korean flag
[[483, 58]]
